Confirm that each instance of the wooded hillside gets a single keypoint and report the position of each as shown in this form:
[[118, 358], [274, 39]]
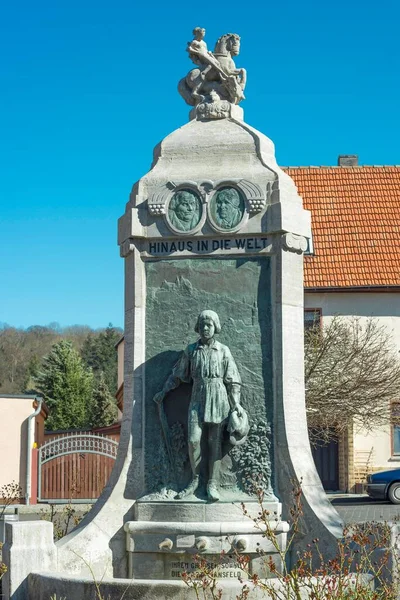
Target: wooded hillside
[[68, 365]]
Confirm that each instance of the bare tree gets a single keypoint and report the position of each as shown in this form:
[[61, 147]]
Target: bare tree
[[352, 373], [12, 358]]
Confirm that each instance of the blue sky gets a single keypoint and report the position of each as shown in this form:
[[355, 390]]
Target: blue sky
[[88, 89]]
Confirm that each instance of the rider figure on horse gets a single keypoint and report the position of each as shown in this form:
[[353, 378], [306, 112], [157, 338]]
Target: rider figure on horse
[[216, 72], [201, 56]]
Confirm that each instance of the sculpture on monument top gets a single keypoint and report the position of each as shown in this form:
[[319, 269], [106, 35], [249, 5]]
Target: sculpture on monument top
[[214, 404], [216, 82]]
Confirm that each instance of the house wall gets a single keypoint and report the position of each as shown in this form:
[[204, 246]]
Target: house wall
[[39, 428], [14, 413], [379, 444], [383, 305], [372, 451]]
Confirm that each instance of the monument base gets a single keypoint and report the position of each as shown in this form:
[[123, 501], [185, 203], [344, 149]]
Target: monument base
[[169, 539], [46, 585], [197, 509]]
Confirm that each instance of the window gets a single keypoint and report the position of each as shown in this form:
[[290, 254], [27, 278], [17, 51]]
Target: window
[[396, 428], [310, 246], [312, 318]]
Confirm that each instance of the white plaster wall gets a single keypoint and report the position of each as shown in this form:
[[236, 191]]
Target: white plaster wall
[[382, 305], [379, 441], [386, 308], [14, 413]]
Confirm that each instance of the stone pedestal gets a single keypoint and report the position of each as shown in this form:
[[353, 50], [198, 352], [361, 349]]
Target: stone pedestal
[[29, 547], [169, 538]]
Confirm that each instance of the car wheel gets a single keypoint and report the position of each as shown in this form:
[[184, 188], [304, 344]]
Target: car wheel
[[394, 493]]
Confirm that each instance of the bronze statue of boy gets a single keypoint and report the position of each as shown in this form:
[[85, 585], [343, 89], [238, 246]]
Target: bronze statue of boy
[[209, 365]]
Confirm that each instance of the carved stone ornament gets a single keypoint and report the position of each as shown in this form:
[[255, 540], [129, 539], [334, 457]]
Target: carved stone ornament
[[157, 208], [126, 248], [215, 83], [294, 243], [218, 109], [158, 200], [255, 196]]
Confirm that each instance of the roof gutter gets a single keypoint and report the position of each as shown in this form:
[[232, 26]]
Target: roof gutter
[[352, 289], [28, 481]]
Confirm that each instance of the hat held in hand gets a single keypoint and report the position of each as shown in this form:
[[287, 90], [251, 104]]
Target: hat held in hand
[[238, 426]]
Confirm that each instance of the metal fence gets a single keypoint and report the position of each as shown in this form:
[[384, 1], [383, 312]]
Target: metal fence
[[75, 467]]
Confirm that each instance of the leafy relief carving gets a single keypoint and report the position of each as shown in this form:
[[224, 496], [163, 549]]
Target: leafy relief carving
[[253, 460]]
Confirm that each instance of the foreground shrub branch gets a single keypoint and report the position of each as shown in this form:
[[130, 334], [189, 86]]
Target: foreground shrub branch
[[365, 566]]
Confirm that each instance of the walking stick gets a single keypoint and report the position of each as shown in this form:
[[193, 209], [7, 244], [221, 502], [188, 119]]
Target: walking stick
[[166, 436]]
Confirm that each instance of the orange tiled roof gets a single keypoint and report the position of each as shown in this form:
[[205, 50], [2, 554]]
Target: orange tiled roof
[[355, 216]]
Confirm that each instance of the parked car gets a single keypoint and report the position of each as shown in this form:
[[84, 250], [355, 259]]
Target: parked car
[[384, 485]]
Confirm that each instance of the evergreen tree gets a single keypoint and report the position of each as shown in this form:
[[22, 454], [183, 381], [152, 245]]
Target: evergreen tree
[[67, 386], [104, 407], [99, 353]]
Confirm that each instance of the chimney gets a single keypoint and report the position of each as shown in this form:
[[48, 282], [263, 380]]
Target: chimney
[[347, 160]]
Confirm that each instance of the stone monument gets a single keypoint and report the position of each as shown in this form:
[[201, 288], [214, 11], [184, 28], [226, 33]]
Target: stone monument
[[212, 238]]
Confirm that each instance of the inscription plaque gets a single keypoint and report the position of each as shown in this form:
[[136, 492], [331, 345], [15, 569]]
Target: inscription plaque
[[223, 567]]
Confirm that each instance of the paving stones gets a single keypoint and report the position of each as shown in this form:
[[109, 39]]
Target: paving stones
[[362, 509]]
